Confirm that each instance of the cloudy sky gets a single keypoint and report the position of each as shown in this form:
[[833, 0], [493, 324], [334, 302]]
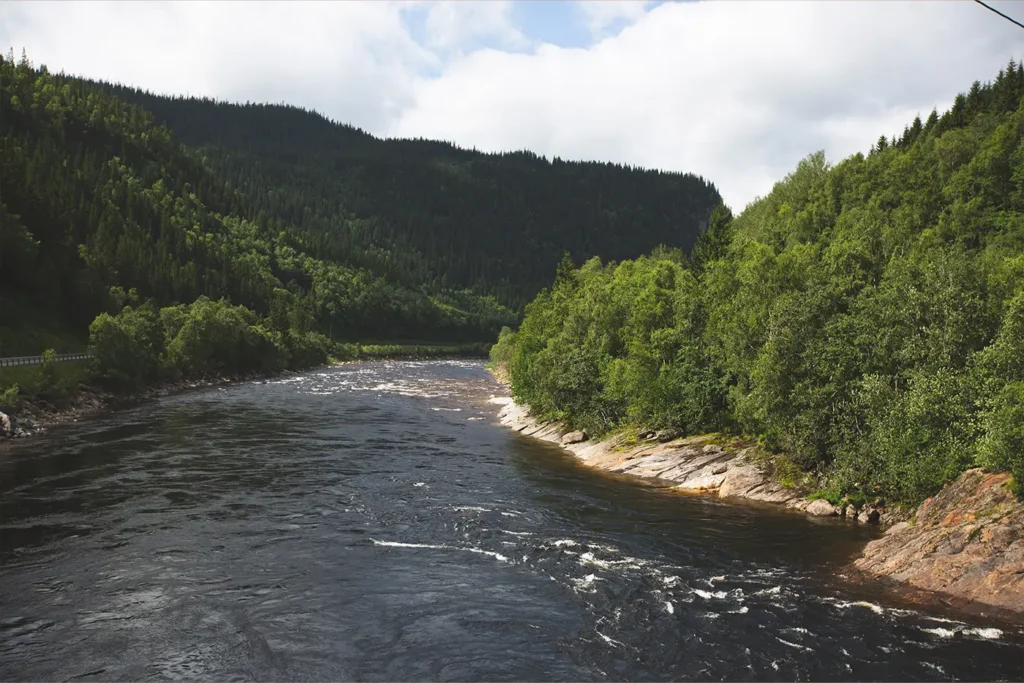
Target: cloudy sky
[[735, 91]]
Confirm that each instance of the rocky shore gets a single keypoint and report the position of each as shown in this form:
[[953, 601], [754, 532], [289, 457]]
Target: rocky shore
[[965, 544], [697, 464]]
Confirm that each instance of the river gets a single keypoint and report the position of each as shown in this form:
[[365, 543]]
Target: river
[[373, 522]]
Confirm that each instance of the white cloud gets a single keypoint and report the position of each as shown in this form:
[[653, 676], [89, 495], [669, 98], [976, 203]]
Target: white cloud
[[738, 92], [452, 24], [354, 61], [600, 15]]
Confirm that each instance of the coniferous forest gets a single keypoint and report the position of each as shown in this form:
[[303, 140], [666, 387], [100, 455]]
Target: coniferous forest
[[300, 232], [865, 319]]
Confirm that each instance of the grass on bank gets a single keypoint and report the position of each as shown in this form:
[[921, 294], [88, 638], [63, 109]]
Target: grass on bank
[[50, 382]]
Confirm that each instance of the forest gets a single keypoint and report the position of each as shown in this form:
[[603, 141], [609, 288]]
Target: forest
[[426, 213], [864, 320], [123, 203]]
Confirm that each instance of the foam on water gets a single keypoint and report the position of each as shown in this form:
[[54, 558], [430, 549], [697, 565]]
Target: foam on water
[[479, 551]]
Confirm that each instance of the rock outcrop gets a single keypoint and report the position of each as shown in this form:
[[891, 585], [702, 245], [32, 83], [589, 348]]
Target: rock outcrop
[[694, 464], [965, 542]]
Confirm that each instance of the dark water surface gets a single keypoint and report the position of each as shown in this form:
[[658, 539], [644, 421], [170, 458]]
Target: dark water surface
[[372, 522]]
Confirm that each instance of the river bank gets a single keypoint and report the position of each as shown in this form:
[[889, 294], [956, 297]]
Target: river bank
[[963, 547], [37, 416]]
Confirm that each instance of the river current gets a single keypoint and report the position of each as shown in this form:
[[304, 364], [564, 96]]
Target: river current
[[373, 522]]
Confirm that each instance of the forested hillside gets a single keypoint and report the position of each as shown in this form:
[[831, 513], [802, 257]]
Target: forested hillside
[[864, 319], [428, 213], [97, 195], [317, 225]]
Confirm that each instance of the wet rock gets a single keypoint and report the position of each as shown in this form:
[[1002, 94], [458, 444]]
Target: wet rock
[[821, 508], [6, 428], [869, 515], [574, 437]]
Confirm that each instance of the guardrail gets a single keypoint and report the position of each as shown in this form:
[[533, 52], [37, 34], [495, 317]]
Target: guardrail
[[38, 360]]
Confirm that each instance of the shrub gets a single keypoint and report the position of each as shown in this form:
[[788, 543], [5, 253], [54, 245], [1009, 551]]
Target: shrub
[[10, 399], [1002, 447], [126, 348]]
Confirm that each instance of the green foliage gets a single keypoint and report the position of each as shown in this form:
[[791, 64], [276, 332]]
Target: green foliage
[[392, 351], [313, 224], [615, 345], [1003, 445], [48, 368], [29, 383], [127, 347], [865, 319], [429, 214], [501, 353], [10, 398], [207, 338]]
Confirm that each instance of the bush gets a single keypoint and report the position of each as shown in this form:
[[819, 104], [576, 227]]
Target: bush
[[501, 353], [216, 338], [10, 399], [126, 348], [1002, 447], [48, 371], [306, 350]]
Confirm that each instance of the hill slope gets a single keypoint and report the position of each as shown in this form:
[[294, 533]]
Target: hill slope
[[866, 319], [289, 215], [429, 212], [97, 195]]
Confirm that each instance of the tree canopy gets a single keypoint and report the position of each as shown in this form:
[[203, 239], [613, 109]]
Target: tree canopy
[[314, 226], [866, 318]]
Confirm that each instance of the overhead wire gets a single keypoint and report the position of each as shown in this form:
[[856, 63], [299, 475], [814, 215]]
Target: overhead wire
[[1004, 16]]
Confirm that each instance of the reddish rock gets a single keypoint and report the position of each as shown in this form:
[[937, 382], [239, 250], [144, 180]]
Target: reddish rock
[[966, 541]]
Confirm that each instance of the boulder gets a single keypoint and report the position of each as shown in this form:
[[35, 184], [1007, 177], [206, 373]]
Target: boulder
[[668, 434], [868, 515], [740, 480], [6, 428], [821, 508], [574, 437]]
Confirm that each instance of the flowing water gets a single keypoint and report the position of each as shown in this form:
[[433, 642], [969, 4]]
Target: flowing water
[[373, 522]]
